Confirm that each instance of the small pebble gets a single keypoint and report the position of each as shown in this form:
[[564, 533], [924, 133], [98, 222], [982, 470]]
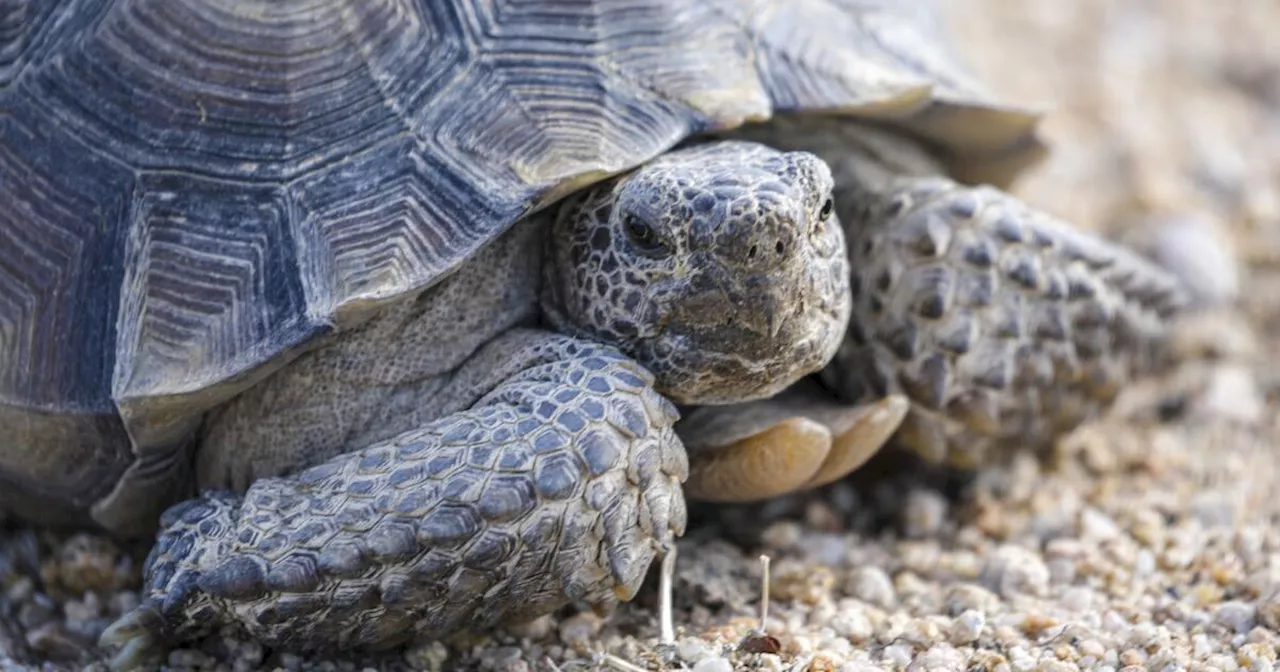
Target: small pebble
[[1013, 570], [713, 664], [1235, 615], [967, 627], [872, 585]]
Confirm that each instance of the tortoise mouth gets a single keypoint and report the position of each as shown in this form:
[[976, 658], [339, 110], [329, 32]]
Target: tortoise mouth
[[732, 362]]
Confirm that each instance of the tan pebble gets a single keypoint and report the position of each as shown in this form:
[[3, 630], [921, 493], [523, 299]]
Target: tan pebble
[[922, 632], [85, 562], [1269, 609], [428, 656], [1260, 635], [578, 630], [822, 663], [1166, 658], [1050, 665], [804, 583], [964, 565], [1007, 635], [1206, 594], [819, 515], [1256, 656], [1065, 651], [538, 628], [972, 596], [988, 660], [1035, 624], [798, 644], [1148, 527], [1133, 657], [907, 584], [781, 536], [921, 557]]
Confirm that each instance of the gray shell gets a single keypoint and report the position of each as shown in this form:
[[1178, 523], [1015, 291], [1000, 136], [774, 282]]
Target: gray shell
[[191, 191]]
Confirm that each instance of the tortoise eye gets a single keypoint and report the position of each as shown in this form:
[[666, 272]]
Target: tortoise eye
[[642, 235], [827, 207]]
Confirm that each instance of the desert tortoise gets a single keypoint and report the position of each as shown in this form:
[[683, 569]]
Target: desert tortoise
[[398, 296]]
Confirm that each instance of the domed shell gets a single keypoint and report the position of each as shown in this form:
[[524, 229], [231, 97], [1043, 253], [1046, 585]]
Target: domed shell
[[191, 191]]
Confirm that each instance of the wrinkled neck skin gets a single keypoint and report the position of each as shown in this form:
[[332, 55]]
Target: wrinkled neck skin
[[720, 267]]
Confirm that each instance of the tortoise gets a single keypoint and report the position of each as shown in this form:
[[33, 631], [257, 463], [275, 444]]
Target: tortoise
[[381, 316]]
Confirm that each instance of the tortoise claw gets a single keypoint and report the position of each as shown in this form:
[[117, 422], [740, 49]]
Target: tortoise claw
[[133, 636]]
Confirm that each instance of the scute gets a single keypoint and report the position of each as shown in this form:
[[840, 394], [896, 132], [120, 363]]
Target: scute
[[195, 190]]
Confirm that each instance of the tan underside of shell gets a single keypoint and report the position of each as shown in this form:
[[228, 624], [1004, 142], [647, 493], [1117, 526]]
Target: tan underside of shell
[[790, 448]]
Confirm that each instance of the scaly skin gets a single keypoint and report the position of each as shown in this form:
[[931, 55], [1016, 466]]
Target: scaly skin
[[544, 468], [560, 485], [1006, 327]]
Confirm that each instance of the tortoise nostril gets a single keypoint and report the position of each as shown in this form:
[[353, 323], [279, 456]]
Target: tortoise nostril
[[751, 253], [780, 247]]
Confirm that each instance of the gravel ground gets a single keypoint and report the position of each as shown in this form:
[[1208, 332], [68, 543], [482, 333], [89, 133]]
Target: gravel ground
[[1147, 540]]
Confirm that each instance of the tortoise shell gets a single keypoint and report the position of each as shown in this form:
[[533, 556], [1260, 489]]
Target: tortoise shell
[[192, 191]]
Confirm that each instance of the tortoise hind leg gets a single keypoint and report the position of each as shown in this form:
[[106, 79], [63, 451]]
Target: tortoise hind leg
[[559, 486], [798, 440], [1005, 326]]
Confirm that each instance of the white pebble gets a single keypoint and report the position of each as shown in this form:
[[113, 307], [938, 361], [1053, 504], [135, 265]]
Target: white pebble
[[692, 649], [1097, 525], [716, 664], [1020, 660], [1197, 250], [872, 585], [1236, 615], [853, 624], [1013, 570], [898, 654], [1201, 647], [924, 513], [967, 627], [1233, 394], [1078, 598]]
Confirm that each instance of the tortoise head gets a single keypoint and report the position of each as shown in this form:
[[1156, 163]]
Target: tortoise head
[[720, 267]]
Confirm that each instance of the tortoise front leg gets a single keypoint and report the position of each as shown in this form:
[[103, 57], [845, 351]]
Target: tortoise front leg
[[559, 486]]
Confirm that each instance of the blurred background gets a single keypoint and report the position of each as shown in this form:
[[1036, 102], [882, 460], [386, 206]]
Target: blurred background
[[1157, 110]]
